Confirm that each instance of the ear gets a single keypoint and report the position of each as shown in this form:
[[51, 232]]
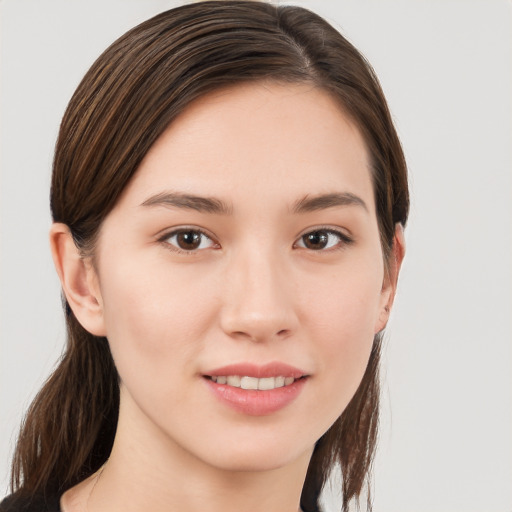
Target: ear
[[78, 279], [391, 278]]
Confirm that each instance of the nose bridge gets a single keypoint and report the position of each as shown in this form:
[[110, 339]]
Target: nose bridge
[[258, 303]]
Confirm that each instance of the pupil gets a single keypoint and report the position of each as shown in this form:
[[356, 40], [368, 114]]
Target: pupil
[[316, 240], [189, 240]]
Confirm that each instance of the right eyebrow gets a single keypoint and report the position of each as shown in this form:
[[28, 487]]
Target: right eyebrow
[[190, 202], [323, 201]]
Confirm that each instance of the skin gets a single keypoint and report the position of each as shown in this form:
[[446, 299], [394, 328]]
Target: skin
[[253, 291]]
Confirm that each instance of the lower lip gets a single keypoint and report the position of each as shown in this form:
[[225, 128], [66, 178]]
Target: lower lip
[[256, 403]]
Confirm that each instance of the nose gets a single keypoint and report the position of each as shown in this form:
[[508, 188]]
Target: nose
[[258, 300]]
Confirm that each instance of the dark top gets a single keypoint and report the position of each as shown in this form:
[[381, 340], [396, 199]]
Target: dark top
[[16, 503]]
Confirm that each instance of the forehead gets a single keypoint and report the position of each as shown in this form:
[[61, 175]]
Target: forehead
[[259, 139]]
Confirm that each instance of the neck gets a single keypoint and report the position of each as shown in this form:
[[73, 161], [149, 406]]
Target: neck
[[149, 471]]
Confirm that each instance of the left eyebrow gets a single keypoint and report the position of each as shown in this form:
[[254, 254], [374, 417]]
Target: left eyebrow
[[320, 202], [190, 202]]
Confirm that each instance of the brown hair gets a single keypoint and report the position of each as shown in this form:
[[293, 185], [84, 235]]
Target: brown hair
[[139, 85]]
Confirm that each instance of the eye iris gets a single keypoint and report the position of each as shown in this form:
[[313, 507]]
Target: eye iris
[[316, 240], [188, 240]]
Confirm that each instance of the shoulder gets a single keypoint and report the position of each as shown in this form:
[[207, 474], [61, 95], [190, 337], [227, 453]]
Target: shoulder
[[20, 503]]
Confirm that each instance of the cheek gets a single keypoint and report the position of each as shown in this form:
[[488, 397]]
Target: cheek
[[155, 319], [341, 320], [346, 300]]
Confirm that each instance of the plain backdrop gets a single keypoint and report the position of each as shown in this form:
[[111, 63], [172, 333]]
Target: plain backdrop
[[446, 68]]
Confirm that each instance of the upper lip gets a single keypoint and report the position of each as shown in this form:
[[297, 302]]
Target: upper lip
[[273, 369]]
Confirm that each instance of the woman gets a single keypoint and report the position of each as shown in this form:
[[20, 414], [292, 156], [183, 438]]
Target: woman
[[228, 198]]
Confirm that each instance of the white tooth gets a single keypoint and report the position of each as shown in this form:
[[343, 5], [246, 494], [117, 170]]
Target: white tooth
[[233, 380], [213, 378], [279, 382], [288, 381], [221, 379], [249, 383], [266, 383]]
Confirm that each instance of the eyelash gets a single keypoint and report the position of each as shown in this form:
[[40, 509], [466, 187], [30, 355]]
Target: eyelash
[[343, 240], [165, 240]]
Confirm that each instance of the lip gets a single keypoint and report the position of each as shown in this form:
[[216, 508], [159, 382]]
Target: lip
[[273, 369], [256, 402]]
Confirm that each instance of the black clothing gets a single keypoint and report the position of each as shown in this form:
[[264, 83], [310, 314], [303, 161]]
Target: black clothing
[[17, 503]]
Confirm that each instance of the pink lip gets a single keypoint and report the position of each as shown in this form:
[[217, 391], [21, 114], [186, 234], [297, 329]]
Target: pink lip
[[274, 369], [255, 402]]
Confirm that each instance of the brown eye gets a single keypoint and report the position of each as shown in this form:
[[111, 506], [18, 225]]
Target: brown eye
[[189, 240], [321, 239], [316, 240]]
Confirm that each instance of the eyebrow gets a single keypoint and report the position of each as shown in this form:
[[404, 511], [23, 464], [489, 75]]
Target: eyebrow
[[320, 202], [188, 201], [217, 206]]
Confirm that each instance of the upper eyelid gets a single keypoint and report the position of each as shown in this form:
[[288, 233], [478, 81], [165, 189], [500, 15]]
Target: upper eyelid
[[168, 232], [332, 229], [344, 239]]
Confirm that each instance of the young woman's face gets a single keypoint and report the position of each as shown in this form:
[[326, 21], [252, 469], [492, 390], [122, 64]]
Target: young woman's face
[[244, 254]]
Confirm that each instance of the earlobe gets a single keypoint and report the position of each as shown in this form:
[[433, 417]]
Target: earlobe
[[391, 278], [78, 280]]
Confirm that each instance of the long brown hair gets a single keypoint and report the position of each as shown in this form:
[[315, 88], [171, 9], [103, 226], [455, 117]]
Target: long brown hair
[[139, 85]]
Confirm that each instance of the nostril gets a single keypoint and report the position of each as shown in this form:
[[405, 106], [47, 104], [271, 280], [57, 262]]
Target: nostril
[[255, 336]]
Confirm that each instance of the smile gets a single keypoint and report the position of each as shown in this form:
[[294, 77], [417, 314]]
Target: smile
[[256, 390], [246, 382]]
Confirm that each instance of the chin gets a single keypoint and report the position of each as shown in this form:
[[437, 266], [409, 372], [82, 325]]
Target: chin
[[257, 454], [257, 461]]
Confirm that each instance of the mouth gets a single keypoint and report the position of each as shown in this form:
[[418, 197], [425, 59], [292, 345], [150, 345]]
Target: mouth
[[256, 390], [255, 383]]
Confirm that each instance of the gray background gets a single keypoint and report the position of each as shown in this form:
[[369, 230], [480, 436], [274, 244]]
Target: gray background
[[446, 67]]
